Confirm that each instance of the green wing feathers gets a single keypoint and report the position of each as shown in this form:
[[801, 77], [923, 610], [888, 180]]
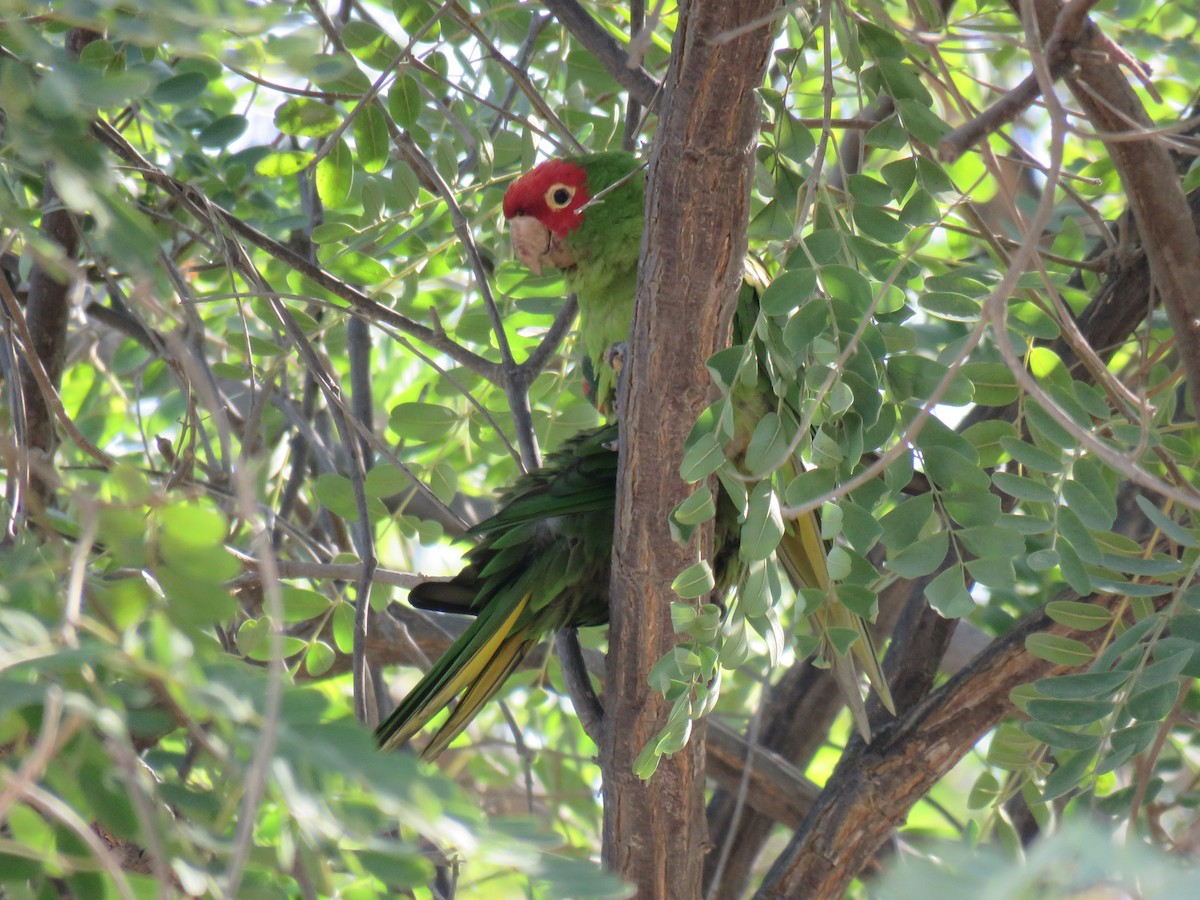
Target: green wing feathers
[[541, 564]]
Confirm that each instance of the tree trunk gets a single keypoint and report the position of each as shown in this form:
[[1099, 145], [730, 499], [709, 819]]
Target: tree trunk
[[696, 214]]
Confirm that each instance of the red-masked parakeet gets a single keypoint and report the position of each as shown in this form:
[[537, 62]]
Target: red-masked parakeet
[[584, 215]]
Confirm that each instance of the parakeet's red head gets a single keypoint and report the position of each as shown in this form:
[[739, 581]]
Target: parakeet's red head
[[552, 193], [596, 247], [549, 225]]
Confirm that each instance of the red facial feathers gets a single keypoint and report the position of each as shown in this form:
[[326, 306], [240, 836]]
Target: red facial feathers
[[552, 193]]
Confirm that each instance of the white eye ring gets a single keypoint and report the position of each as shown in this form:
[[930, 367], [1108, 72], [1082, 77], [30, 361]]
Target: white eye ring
[[559, 196]]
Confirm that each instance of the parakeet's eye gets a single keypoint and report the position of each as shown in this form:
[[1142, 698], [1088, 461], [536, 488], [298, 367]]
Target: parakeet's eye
[[559, 195]]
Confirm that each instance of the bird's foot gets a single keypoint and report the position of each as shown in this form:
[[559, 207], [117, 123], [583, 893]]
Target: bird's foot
[[615, 358]]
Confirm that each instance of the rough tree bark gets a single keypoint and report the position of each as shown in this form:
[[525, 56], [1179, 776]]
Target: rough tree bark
[[695, 241], [874, 786]]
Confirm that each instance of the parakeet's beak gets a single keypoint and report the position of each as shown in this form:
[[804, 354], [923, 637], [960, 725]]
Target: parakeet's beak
[[536, 246]]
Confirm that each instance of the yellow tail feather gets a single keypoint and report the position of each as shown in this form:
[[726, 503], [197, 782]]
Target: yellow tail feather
[[482, 689], [466, 677], [802, 553]]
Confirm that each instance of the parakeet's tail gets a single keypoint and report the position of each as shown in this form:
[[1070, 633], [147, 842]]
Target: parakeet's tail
[[801, 551], [472, 669]]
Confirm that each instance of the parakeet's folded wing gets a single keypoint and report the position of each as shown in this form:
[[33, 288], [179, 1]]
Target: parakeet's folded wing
[[541, 564]]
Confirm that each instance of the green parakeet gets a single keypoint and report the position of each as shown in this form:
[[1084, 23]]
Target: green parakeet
[[584, 215], [542, 561], [541, 564]]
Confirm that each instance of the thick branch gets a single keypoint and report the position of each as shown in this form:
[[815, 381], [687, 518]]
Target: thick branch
[[606, 48], [872, 791], [1147, 171]]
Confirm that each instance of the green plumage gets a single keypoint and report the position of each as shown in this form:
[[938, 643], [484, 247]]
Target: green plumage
[[606, 247], [541, 564]]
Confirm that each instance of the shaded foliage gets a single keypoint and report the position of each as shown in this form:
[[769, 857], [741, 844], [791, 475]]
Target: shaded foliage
[[264, 351]]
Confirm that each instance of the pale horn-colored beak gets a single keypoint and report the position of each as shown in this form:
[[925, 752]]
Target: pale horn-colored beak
[[536, 246]]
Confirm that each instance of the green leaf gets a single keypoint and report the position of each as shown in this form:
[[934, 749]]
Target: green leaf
[[763, 528], [993, 571], [859, 525], [337, 495], [808, 486], [870, 191], [1047, 427], [1153, 704], [956, 307], [694, 581], [319, 659], [404, 101], [922, 209], [302, 117], [283, 164], [697, 508], [994, 383], [921, 122], [906, 522], [223, 131], [406, 185], [879, 225], [399, 871], [335, 174], [1057, 649], [1172, 529], [790, 291], [794, 140], [300, 604], [984, 792], [1010, 749], [948, 594], [1084, 686], [755, 596], [848, 285], [993, 540], [1085, 505], [1072, 569], [1032, 457], [920, 557], [371, 138], [1079, 615], [899, 175], [916, 377], [1129, 742], [880, 42], [422, 422], [1067, 775], [1023, 488], [769, 445], [859, 599], [702, 458], [180, 89], [904, 84], [369, 43], [1061, 738], [443, 481], [1043, 560], [809, 321], [1069, 712]]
